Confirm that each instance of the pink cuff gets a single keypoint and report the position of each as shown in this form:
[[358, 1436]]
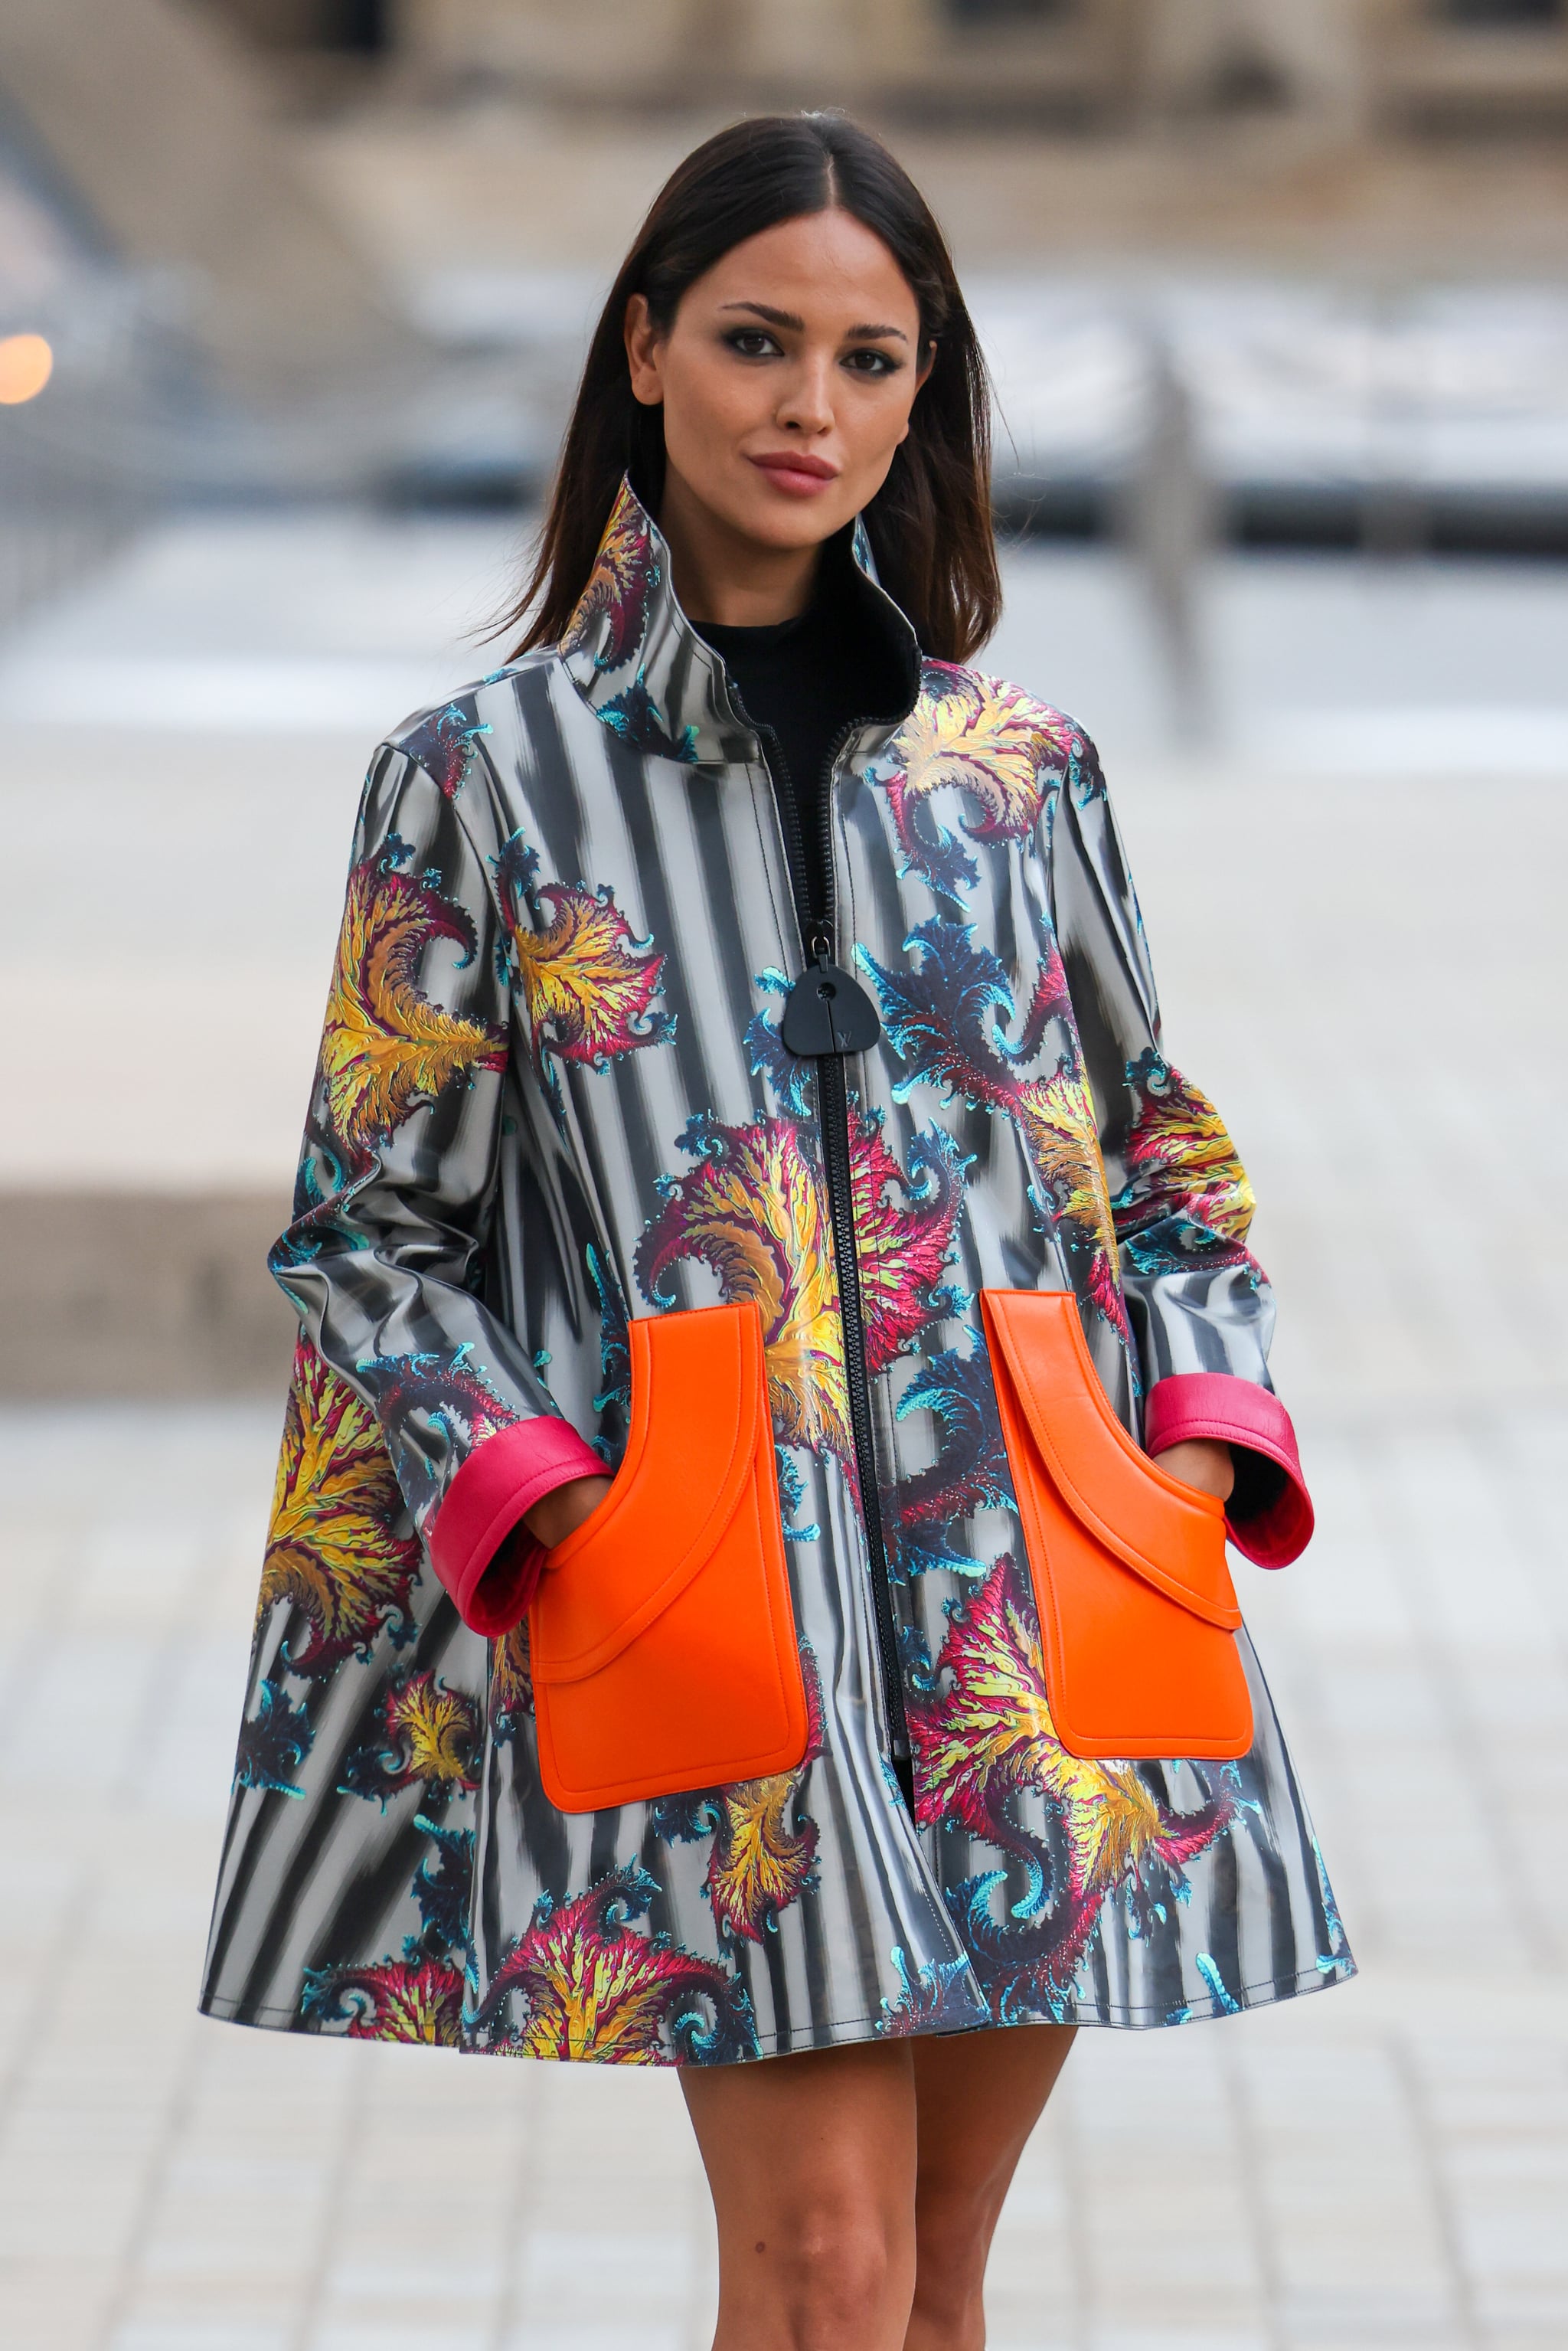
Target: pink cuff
[[478, 1547], [1271, 1513]]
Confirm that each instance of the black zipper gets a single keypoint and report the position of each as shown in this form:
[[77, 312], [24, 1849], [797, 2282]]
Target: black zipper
[[833, 1103]]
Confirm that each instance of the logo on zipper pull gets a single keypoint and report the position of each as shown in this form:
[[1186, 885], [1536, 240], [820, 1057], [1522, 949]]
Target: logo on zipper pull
[[828, 1010]]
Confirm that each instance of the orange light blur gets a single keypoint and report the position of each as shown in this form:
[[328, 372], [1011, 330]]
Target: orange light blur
[[27, 364]]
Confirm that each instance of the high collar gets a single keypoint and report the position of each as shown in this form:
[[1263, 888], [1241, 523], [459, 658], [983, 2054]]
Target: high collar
[[638, 661]]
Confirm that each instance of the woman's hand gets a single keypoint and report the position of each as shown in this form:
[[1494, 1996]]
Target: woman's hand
[[1201, 1461], [563, 1511]]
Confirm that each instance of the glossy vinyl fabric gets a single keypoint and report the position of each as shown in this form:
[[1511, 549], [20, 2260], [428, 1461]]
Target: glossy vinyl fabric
[[553, 1101], [662, 1639], [1134, 1596]]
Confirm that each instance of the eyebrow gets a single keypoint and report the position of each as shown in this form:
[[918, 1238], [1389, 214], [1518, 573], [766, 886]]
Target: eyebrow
[[798, 326]]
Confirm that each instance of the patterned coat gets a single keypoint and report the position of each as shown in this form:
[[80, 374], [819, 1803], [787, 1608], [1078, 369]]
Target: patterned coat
[[552, 1094]]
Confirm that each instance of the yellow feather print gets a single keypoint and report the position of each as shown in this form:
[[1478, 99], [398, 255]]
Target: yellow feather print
[[587, 980], [333, 1548], [387, 1050], [754, 1209], [990, 744]]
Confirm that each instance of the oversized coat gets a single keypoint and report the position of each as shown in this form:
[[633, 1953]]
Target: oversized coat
[[552, 1095]]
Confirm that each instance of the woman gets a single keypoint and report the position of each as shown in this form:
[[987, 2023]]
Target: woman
[[737, 988]]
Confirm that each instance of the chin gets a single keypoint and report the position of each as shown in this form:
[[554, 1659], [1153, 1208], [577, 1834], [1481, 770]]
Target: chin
[[782, 521]]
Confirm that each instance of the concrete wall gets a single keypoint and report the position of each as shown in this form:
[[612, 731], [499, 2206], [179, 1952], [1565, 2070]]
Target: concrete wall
[[809, 52], [141, 1294], [1343, 62]]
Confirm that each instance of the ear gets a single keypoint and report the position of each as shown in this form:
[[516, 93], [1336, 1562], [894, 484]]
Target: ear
[[642, 347], [926, 364]]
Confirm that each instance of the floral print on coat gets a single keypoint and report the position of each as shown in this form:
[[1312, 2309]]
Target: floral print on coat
[[553, 1095]]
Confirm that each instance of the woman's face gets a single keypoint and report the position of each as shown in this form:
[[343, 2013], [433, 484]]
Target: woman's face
[[786, 377]]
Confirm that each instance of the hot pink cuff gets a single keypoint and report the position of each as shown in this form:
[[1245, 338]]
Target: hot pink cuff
[[478, 1547], [1271, 1515]]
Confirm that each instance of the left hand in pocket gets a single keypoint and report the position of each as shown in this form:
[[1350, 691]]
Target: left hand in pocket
[[1201, 1461]]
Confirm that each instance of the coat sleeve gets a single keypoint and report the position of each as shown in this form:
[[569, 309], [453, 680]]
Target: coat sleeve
[[1199, 1304], [396, 1190]]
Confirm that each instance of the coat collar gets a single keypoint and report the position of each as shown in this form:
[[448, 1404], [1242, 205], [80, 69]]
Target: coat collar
[[639, 663]]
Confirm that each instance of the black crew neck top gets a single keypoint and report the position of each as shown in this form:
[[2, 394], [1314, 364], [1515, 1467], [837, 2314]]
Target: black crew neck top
[[803, 683]]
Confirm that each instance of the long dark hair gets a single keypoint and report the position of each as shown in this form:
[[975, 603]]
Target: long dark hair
[[930, 523]]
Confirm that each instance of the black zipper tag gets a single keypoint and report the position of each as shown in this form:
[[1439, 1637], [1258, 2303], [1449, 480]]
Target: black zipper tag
[[827, 1011]]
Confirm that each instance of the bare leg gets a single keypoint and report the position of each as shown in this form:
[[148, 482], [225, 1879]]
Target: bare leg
[[978, 2097], [811, 2162]]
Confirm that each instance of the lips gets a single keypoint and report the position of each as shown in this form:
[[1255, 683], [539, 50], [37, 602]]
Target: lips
[[796, 471]]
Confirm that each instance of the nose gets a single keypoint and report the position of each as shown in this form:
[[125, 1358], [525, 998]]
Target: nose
[[806, 405]]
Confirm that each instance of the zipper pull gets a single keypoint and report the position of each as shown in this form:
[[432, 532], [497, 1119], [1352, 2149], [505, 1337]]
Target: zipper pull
[[828, 1010]]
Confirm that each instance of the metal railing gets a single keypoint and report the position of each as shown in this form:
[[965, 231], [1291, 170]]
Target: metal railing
[[89, 458]]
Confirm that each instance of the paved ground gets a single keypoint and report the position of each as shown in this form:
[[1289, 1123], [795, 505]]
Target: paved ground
[[1360, 953]]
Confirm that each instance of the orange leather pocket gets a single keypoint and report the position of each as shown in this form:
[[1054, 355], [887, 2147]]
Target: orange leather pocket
[[1137, 1612], [662, 1634]]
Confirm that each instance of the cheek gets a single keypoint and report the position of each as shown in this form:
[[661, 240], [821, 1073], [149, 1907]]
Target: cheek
[[708, 406], [872, 422]]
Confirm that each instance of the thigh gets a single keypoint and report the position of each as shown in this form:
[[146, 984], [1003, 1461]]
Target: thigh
[[811, 2164], [977, 2096], [793, 2128]]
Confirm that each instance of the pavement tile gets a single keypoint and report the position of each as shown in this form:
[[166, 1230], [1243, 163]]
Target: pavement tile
[[549, 2335], [451, 2271], [377, 2335], [211, 2334], [1160, 2336], [608, 2261]]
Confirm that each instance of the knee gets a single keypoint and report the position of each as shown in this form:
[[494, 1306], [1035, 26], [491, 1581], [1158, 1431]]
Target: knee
[[845, 2276], [953, 2237]]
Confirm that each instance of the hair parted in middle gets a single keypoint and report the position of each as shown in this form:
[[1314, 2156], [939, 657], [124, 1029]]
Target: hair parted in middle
[[930, 523]]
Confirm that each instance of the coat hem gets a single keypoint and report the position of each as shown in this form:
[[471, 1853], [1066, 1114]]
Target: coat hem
[[1268, 1993]]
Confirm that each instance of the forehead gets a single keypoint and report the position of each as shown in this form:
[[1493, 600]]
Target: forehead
[[828, 268]]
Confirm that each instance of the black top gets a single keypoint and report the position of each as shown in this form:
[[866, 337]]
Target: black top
[[802, 682]]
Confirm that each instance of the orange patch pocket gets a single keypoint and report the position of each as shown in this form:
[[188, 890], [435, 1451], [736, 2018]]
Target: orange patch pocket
[[1137, 1612], [662, 1634]]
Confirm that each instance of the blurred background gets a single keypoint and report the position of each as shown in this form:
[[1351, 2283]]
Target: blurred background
[[292, 296]]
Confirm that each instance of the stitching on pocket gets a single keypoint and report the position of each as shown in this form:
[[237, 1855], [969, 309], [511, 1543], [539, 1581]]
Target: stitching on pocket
[[1027, 1394], [703, 1541]]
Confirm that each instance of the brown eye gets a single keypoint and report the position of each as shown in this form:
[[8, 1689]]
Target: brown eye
[[752, 343], [869, 362]]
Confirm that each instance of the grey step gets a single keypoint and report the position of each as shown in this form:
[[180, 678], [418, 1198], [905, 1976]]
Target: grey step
[[141, 1294]]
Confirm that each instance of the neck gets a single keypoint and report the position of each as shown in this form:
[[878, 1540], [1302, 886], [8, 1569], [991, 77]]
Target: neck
[[722, 577]]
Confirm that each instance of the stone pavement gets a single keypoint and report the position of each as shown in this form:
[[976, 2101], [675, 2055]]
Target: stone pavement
[[1361, 957], [1386, 2166]]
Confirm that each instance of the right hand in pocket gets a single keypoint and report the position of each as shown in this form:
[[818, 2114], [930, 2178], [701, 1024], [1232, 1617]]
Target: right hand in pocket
[[563, 1511]]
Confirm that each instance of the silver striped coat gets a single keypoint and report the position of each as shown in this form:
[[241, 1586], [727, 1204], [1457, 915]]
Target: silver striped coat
[[552, 1095]]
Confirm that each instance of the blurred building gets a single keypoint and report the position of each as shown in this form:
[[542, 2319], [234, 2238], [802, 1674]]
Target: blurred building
[[1440, 65], [274, 250], [145, 133]]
